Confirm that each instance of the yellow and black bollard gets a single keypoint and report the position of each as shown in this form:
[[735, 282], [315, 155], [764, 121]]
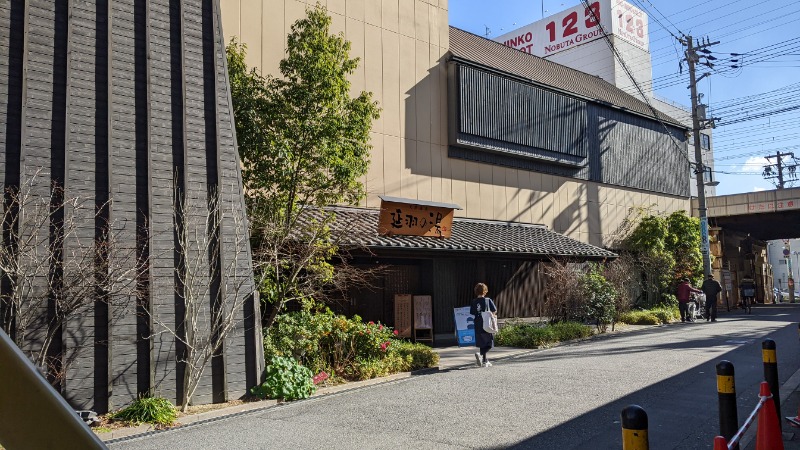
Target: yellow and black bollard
[[726, 392], [634, 428], [770, 358]]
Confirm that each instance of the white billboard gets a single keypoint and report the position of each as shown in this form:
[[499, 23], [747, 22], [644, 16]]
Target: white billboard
[[579, 25]]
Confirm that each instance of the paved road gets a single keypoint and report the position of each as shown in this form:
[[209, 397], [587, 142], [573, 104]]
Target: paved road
[[567, 397]]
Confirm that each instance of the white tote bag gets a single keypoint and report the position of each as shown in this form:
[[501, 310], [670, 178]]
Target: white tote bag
[[489, 319]]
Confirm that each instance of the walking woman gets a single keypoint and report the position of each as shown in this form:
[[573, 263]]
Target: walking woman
[[483, 340]]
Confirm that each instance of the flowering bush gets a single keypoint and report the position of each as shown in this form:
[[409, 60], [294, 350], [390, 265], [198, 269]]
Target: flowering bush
[[343, 347]]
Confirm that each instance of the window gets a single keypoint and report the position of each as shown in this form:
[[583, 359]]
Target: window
[[705, 141]]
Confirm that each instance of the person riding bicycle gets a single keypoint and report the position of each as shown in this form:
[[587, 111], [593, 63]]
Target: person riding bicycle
[[747, 289]]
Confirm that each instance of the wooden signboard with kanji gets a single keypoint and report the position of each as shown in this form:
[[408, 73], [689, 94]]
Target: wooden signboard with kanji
[[415, 220], [402, 315]]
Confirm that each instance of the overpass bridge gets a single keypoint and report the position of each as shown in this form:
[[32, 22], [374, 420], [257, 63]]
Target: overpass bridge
[[739, 226]]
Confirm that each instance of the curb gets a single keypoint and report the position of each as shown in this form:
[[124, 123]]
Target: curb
[[130, 433]]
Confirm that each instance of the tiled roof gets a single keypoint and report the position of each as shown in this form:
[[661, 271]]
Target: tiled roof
[[468, 235], [477, 49]]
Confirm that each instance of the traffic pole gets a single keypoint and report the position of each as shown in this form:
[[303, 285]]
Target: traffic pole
[[769, 355], [726, 393], [634, 428], [720, 443]]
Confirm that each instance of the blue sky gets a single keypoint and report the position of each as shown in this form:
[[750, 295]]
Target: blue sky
[[766, 80]]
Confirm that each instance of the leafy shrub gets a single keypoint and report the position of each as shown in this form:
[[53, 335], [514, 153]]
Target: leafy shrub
[[323, 341], [364, 369], [154, 410], [530, 335], [565, 331], [639, 318], [666, 314], [343, 347], [652, 316], [286, 379], [600, 297], [421, 355], [524, 335], [668, 301]]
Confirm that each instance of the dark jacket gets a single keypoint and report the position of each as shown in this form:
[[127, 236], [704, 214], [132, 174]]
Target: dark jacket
[[711, 288], [482, 338]]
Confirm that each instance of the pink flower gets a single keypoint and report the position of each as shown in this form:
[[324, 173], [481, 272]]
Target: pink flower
[[396, 332], [320, 377], [371, 323], [380, 327]]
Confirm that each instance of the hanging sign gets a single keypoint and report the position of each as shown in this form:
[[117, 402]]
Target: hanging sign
[[415, 219], [465, 326]]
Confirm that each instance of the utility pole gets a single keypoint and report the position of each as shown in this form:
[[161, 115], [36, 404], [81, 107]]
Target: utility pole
[[693, 58], [779, 165]]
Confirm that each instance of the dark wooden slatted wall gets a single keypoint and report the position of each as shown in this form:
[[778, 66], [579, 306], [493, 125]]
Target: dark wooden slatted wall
[[126, 103]]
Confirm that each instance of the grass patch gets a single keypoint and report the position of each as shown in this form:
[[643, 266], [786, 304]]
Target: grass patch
[[540, 335], [101, 429], [153, 410]]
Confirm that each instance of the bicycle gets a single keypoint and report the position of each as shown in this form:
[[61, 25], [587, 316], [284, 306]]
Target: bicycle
[[747, 303], [748, 292]]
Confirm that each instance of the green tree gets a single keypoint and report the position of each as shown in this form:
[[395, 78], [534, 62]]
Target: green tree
[[304, 144], [667, 249], [683, 242]]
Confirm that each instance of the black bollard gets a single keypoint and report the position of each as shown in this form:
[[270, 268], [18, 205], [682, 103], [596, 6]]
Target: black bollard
[[771, 374], [634, 428], [726, 391]]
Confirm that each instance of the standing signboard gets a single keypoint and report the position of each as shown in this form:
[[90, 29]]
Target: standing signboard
[[423, 318], [402, 315], [465, 326]]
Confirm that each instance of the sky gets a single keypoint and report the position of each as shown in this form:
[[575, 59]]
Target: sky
[[748, 95]]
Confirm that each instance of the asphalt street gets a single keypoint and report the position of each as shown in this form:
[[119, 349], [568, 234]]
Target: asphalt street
[[567, 397]]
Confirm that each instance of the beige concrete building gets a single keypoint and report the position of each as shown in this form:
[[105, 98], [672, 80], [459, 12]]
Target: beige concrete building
[[404, 49]]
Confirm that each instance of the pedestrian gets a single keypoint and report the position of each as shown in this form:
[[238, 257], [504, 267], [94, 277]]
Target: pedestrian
[[684, 297], [711, 289], [483, 339]]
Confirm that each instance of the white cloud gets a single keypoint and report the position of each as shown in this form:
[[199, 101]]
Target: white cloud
[[758, 189], [754, 164]]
